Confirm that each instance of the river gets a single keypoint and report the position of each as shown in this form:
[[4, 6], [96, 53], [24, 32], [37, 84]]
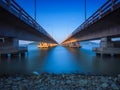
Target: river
[[60, 59]]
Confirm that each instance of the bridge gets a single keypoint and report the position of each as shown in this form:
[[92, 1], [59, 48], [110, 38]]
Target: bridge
[[16, 24], [104, 24]]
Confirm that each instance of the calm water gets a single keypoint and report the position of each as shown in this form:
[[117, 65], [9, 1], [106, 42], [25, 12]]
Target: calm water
[[61, 60]]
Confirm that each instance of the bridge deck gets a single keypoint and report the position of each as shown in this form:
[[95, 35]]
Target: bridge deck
[[105, 22]]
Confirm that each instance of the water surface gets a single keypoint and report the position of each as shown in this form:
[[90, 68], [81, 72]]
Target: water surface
[[61, 60]]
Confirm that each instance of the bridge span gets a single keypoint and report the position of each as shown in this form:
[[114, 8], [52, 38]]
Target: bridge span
[[104, 23], [16, 24]]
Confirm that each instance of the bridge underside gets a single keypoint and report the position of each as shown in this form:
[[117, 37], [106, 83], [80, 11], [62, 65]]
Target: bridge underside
[[107, 26], [15, 25], [12, 26]]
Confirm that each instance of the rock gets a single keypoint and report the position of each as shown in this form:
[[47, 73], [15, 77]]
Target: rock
[[35, 73], [119, 76], [102, 78], [18, 78], [104, 85], [40, 80], [62, 82], [14, 88], [93, 83], [63, 75], [9, 81], [114, 86], [59, 81], [115, 79], [82, 82], [53, 82], [109, 78], [22, 87], [68, 81], [25, 81]]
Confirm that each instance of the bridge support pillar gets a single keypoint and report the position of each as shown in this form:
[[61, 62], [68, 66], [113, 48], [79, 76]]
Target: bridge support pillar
[[43, 45], [46, 45], [73, 44], [107, 48], [10, 46]]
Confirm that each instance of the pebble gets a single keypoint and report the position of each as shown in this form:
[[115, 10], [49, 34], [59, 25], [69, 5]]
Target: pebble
[[114, 86], [104, 85], [83, 82], [59, 82]]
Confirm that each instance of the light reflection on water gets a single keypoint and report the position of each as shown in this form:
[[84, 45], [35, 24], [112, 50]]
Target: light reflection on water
[[61, 60]]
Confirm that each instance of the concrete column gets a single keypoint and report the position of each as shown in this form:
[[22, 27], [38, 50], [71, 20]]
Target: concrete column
[[106, 43], [107, 48], [8, 45], [10, 42]]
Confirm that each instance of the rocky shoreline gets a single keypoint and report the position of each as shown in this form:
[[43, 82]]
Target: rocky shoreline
[[47, 81]]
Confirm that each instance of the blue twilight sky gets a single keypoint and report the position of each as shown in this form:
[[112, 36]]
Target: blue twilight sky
[[60, 17]]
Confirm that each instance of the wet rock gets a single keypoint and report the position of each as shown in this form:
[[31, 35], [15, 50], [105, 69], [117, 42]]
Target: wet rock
[[68, 81], [14, 88], [119, 76], [115, 79], [109, 78], [82, 82], [59, 82], [22, 87], [114, 86], [53, 82], [104, 85], [9, 81], [35, 73]]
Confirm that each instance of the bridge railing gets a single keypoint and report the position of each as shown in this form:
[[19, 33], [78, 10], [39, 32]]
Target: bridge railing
[[19, 12], [108, 7]]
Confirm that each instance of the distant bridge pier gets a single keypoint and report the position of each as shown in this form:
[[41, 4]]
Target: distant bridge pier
[[43, 45], [72, 44], [9, 46], [108, 47], [46, 45]]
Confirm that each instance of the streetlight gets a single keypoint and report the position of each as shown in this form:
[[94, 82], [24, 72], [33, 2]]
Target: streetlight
[[35, 9], [85, 9]]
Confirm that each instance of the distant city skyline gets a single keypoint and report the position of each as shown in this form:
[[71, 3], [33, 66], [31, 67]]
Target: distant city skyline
[[60, 17]]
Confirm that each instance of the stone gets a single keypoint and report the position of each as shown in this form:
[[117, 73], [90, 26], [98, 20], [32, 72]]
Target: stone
[[35, 73], [82, 82], [114, 86], [53, 82], [21, 87], [57, 82], [9, 81], [14, 88], [68, 81], [115, 79], [104, 85], [109, 78], [18, 78], [118, 75]]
